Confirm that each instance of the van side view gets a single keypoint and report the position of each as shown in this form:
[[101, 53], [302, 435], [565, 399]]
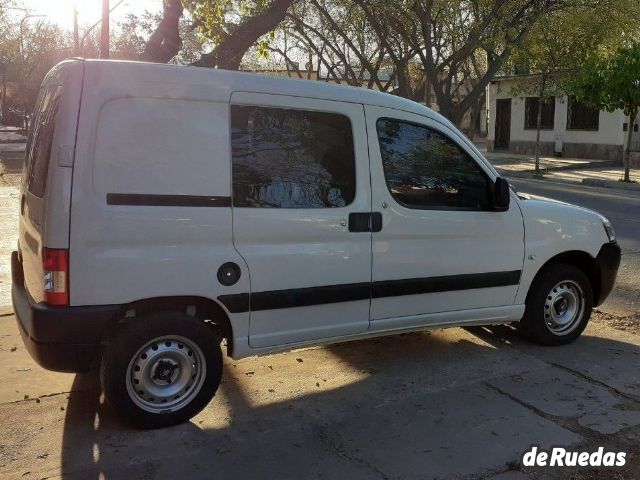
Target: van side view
[[166, 209]]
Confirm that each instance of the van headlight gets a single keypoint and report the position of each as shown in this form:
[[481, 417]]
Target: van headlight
[[609, 229]]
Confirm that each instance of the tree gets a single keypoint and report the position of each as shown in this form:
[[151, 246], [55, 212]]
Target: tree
[[231, 27], [459, 44], [550, 57], [612, 83], [336, 35], [455, 46]]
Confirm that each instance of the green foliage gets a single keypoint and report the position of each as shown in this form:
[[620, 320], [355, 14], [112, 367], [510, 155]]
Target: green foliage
[[567, 39], [217, 19], [611, 82]]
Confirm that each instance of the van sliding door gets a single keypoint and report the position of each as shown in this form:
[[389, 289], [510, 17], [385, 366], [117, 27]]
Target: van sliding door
[[301, 202]]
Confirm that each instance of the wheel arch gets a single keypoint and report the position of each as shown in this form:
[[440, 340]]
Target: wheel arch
[[205, 309], [582, 261]]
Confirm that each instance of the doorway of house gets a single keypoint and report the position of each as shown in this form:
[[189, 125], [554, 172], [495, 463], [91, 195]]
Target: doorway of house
[[503, 124]]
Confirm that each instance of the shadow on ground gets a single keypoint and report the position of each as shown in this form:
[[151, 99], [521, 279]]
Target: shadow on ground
[[418, 406]]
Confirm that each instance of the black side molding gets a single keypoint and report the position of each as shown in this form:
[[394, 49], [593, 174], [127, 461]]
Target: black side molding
[[468, 281], [349, 292], [148, 200]]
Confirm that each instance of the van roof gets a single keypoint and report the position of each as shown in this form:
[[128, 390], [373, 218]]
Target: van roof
[[228, 81]]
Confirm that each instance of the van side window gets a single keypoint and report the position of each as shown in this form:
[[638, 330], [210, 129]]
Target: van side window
[[287, 158], [38, 148], [426, 170]]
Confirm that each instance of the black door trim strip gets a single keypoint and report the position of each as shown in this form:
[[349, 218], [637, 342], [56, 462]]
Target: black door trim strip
[[148, 200], [468, 281], [303, 297]]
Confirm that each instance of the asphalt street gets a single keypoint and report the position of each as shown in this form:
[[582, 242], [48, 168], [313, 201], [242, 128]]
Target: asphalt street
[[622, 208]]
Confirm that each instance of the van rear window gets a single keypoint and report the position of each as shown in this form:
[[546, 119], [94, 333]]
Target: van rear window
[[40, 137]]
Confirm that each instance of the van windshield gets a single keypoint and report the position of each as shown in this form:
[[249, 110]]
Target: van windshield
[[40, 137]]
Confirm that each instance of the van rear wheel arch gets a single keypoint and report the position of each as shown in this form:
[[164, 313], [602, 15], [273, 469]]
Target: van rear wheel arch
[[200, 308]]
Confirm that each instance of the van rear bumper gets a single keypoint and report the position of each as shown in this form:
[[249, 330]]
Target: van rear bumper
[[63, 339]]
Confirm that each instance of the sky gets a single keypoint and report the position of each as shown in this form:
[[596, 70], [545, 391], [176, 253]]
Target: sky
[[89, 11]]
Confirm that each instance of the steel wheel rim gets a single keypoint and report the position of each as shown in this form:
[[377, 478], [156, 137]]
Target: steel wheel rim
[[564, 307], [166, 374]]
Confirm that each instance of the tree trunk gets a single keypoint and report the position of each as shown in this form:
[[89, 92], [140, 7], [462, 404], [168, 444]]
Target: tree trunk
[[165, 42], [627, 148], [229, 52], [538, 128], [451, 111], [543, 87]]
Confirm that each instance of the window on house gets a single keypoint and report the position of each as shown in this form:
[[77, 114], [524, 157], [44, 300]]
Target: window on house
[[581, 116], [287, 158], [531, 106], [426, 170]]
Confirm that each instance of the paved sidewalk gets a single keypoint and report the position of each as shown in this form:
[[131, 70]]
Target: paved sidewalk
[[597, 173], [12, 144]]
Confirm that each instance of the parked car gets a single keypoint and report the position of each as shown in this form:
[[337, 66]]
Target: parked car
[[165, 209]]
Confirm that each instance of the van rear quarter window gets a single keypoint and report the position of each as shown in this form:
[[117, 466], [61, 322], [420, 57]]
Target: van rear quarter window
[[291, 158], [162, 146], [40, 138]]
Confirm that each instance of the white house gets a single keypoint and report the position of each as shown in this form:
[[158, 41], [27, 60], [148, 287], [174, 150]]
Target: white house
[[569, 128]]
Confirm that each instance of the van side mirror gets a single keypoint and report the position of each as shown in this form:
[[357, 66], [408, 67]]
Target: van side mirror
[[501, 195]]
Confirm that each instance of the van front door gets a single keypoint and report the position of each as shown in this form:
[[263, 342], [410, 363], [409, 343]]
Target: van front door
[[301, 196], [442, 248]]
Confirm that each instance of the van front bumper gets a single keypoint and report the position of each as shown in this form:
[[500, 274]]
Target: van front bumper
[[63, 339], [608, 260]]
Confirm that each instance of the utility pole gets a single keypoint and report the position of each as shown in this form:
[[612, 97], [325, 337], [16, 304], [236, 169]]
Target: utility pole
[[104, 30], [76, 34]]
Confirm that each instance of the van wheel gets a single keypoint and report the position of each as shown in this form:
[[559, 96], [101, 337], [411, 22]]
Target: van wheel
[[558, 306], [161, 369]]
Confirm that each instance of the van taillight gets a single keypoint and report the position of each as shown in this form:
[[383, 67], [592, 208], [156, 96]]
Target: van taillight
[[56, 276]]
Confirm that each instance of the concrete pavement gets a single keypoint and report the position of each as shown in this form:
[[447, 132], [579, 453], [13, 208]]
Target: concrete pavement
[[443, 404]]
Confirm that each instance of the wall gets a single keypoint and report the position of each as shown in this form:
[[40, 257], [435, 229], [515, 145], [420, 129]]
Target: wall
[[606, 143]]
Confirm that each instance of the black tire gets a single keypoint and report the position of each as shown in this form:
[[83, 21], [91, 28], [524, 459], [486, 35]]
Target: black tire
[[179, 334], [538, 321]]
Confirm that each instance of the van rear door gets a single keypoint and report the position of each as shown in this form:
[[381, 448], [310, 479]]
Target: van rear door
[[47, 172]]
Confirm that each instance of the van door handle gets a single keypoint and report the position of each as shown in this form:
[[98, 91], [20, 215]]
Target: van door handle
[[365, 222]]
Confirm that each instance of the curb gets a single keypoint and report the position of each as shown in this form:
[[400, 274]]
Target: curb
[[587, 182], [9, 155], [614, 184], [562, 181]]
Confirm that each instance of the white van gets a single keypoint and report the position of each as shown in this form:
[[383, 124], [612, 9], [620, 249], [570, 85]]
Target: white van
[[167, 208]]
